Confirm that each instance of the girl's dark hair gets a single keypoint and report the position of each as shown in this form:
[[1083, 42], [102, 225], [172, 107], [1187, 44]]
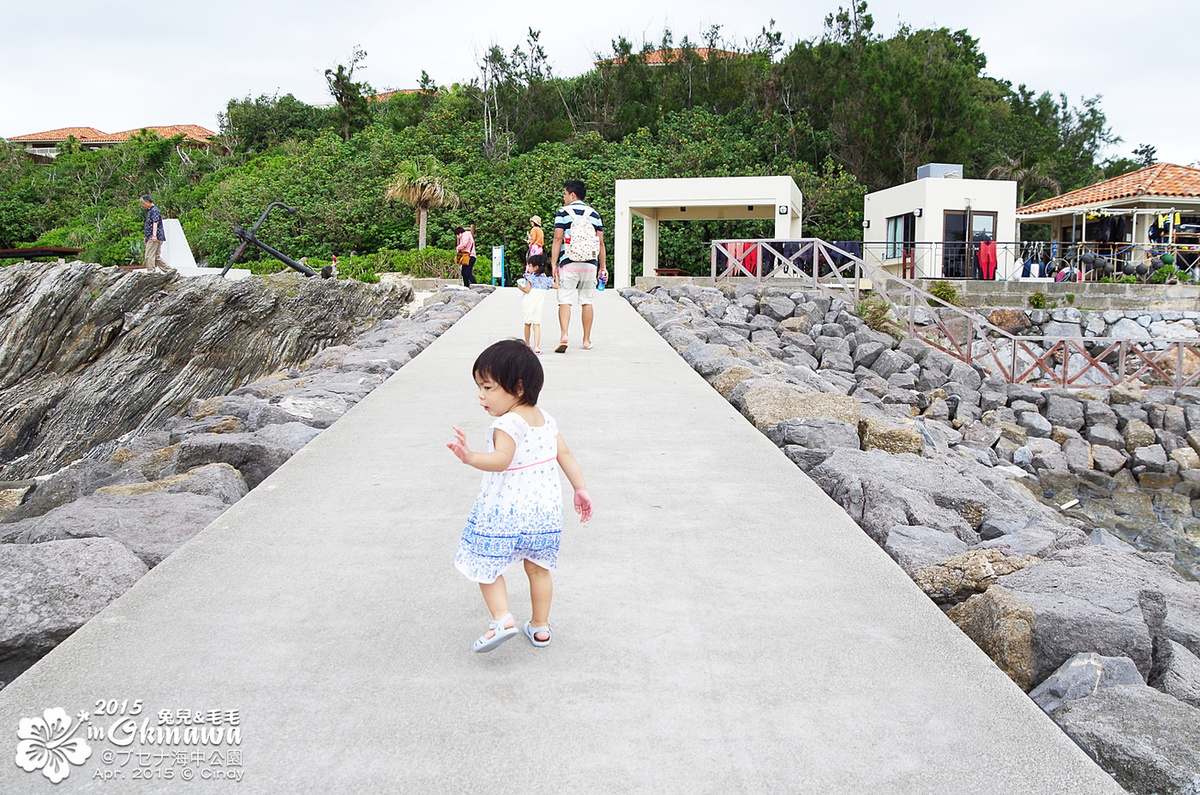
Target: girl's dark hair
[[536, 260], [515, 369], [458, 230]]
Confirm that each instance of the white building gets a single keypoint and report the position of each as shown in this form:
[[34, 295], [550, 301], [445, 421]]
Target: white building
[[931, 228]]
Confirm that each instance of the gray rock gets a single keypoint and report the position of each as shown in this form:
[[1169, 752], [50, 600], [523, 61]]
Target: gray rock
[[965, 374], [1034, 424], [52, 589], [1066, 314], [1106, 435], [1027, 393], [1104, 538], [1064, 411], [1138, 434], [1111, 316], [1054, 329], [1152, 457], [867, 352], [1023, 457], [915, 547], [67, 485], [256, 455], [1148, 741], [836, 360], [914, 349], [881, 490], [1078, 455], [1176, 672], [1128, 329], [890, 362], [1084, 675], [141, 353], [1096, 412], [777, 308], [211, 480], [822, 433], [151, 526], [1094, 599]]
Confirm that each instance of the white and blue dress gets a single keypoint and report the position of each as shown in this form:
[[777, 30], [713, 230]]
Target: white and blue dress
[[518, 514]]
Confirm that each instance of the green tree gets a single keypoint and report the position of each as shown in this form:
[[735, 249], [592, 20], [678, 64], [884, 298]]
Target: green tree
[[255, 125], [419, 183], [352, 98]]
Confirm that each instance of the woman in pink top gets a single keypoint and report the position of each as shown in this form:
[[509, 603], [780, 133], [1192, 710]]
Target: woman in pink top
[[466, 244]]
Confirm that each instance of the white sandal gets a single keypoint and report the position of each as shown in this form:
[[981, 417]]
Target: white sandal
[[500, 633], [531, 632]]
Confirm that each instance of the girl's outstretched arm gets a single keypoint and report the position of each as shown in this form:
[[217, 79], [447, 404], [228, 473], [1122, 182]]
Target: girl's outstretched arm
[[488, 462], [570, 467]]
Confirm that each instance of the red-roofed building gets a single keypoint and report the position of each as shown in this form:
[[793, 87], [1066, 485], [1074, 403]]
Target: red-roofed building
[[1160, 201], [44, 145], [663, 57]]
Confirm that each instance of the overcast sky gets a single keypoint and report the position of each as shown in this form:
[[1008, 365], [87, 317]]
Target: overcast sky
[[121, 65]]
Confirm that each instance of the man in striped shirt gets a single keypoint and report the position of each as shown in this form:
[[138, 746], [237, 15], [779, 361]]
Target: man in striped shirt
[[575, 261]]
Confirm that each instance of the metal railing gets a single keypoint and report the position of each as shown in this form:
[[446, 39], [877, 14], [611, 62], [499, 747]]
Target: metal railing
[[1071, 362], [1017, 260]]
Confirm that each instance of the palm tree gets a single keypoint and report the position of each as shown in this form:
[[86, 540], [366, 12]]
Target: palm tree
[[419, 183], [1026, 174]]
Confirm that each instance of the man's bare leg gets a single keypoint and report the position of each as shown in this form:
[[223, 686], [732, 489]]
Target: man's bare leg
[[586, 313], [564, 320]]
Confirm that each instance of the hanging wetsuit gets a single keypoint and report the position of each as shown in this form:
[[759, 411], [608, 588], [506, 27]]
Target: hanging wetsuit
[[987, 259]]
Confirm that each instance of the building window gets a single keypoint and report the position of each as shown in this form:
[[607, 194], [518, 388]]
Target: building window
[[901, 232], [895, 237]]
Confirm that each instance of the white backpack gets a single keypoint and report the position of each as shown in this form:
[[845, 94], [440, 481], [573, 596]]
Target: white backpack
[[583, 244]]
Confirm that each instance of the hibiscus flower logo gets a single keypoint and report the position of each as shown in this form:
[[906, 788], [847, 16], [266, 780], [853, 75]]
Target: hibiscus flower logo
[[47, 744]]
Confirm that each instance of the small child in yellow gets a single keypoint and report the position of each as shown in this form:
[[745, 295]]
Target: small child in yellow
[[535, 284]]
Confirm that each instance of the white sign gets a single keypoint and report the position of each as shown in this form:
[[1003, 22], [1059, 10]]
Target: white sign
[[497, 262]]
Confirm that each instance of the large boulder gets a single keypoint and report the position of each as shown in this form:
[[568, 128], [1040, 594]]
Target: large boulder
[[69, 484], [151, 525], [1000, 624], [956, 579], [256, 455], [767, 405], [1084, 675], [1148, 741], [880, 491], [1095, 599], [1176, 672], [915, 547], [211, 480], [52, 589], [820, 433]]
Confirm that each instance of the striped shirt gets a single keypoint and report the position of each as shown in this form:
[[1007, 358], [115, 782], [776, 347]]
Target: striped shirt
[[563, 221]]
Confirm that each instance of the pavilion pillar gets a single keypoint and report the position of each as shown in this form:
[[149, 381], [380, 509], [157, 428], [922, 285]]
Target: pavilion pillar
[[649, 245], [622, 264]]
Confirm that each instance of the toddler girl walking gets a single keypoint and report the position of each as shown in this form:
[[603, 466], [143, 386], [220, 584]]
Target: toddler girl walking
[[518, 513], [536, 282]]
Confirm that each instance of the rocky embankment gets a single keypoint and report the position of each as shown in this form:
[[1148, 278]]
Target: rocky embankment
[[89, 354], [961, 478], [74, 540]]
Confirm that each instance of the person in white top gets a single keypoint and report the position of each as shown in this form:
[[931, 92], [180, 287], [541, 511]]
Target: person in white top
[[518, 513]]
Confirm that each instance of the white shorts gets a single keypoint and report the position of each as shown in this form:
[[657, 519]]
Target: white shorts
[[531, 306], [576, 280]]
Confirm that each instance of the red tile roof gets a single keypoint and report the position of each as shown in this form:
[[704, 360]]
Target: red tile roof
[[386, 95], [192, 131], [1161, 179], [91, 135], [61, 134], [660, 57]]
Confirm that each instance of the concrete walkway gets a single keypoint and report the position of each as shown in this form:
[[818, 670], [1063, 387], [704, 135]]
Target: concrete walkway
[[720, 625]]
